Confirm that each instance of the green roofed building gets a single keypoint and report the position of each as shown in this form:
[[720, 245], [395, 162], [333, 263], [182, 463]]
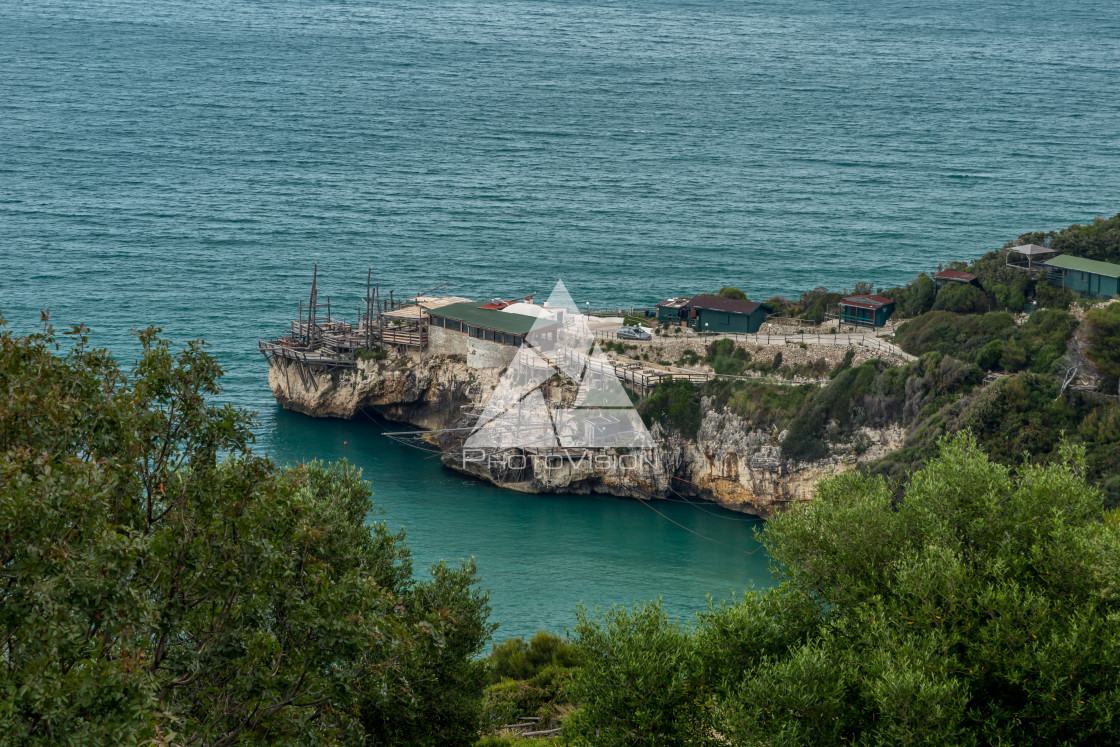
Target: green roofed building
[[1087, 276], [487, 337]]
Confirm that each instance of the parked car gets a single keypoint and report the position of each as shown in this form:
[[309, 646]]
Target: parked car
[[633, 333]]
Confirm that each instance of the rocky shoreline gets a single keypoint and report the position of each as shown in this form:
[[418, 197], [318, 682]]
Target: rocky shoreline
[[729, 461]]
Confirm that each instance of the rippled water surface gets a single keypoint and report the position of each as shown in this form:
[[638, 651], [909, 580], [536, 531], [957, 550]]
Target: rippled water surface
[[185, 163]]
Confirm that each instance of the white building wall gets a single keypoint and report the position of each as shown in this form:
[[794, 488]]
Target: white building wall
[[479, 353]]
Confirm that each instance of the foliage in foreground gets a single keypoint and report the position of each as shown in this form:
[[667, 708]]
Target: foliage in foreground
[[982, 609], [160, 582]]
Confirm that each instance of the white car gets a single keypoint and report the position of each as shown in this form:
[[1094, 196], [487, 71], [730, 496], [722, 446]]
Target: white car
[[633, 333]]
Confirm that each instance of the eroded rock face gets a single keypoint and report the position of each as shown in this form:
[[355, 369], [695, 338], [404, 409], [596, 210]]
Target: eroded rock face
[[730, 462], [428, 392]]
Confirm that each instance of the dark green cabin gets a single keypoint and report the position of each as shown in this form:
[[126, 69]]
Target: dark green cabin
[[1086, 276], [672, 311], [715, 314], [866, 311]]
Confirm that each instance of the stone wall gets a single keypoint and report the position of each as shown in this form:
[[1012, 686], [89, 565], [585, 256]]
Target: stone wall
[[479, 353]]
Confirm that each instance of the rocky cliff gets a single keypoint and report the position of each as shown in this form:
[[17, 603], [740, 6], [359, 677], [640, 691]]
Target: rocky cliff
[[729, 462]]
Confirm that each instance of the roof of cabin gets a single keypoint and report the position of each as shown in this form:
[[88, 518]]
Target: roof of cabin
[[964, 277], [517, 324], [673, 303], [1066, 262], [867, 302], [727, 305]]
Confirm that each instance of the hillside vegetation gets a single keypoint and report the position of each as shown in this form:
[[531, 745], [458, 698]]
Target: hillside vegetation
[[978, 609], [1012, 324]]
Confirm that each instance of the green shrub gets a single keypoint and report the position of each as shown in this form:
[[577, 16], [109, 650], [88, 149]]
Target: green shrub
[[377, 354], [1053, 296], [1104, 341], [733, 293], [165, 584], [514, 658], [961, 299], [640, 683], [725, 357], [845, 363], [990, 356], [975, 606], [675, 404], [991, 340], [689, 358], [915, 299]]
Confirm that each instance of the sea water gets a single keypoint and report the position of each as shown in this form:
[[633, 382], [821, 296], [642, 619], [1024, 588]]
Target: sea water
[[186, 163]]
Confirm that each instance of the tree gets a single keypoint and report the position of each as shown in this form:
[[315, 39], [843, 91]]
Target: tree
[[1104, 340], [863, 288], [961, 299], [733, 293], [160, 581], [639, 684], [979, 608], [915, 299]]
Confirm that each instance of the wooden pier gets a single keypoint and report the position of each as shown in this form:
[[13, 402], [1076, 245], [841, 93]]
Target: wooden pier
[[319, 339]]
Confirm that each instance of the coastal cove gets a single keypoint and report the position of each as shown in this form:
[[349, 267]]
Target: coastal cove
[[539, 555], [186, 164]]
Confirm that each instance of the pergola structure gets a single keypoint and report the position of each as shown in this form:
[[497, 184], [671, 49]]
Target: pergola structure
[[1032, 254]]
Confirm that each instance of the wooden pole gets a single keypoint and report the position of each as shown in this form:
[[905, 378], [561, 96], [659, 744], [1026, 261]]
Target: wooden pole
[[369, 311], [311, 311]]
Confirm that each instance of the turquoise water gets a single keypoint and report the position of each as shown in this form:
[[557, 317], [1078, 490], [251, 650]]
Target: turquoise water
[[184, 163]]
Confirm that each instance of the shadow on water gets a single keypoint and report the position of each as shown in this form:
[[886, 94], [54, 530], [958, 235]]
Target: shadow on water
[[539, 555]]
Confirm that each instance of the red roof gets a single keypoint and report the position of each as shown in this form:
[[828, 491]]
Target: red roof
[[715, 303], [495, 305], [867, 302], [957, 275]]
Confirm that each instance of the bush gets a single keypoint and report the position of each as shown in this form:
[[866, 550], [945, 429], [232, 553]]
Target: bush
[[961, 299], [513, 658], [377, 354], [992, 340], [640, 682], [1104, 341], [689, 358], [845, 363], [977, 609], [732, 293], [675, 404], [990, 356], [1053, 296], [160, 577], [725, 357], [915, 299], [510, 699]]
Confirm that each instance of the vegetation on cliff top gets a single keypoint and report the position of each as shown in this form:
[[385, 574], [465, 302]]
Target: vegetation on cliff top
[[960, 333]]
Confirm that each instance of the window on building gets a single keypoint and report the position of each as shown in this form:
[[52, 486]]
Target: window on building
[[454, 324], [725, 319], [490, 335], [437, 321]]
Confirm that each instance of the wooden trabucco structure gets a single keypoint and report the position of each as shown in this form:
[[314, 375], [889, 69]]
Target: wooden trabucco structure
[[318, 338]]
